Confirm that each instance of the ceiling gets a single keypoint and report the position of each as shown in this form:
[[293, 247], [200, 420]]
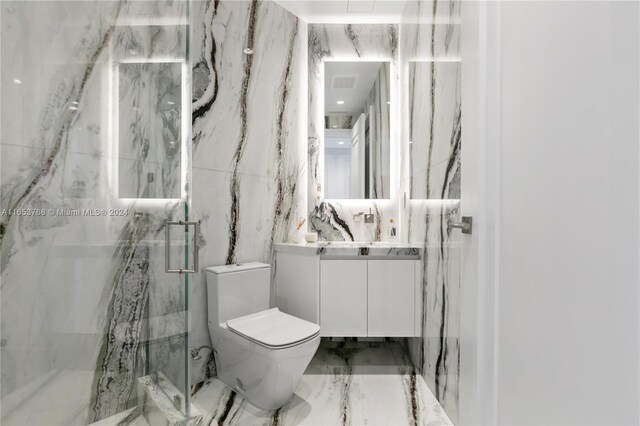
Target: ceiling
[[346, 11], [354, 97]]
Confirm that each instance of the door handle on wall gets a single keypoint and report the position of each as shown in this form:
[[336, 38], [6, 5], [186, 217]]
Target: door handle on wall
[[466, 225], [167, 246]]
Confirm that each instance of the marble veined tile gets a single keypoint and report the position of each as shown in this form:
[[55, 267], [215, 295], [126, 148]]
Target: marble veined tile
[[434, 129], [245, 107], [431, 175], [247, 126], [344, 384]]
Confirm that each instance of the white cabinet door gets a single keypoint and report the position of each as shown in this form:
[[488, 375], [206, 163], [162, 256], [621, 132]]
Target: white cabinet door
[[391, 298], [297, 285], [343, 298]]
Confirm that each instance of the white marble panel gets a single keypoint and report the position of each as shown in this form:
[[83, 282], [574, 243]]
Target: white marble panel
[[245, 105], [431, 172], [11, 160], [434, 129]]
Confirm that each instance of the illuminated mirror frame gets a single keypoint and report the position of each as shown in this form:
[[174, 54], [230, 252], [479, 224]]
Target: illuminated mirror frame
[[394, 145], [185, 130]]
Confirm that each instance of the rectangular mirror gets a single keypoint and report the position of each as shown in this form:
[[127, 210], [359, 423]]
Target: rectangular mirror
[[357, 130], [149, 130]]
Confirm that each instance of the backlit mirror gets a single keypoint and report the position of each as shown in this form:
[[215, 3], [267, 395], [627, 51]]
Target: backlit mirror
[[150, 129], [356, 135]]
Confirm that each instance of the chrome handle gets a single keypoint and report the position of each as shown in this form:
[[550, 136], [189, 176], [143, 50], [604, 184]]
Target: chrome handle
[[466, 225], [167, 246]]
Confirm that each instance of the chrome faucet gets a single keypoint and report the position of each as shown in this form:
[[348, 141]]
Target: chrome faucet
[[368, 218]]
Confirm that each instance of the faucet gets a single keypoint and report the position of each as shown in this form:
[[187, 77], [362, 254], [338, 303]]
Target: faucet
[[195, 352], [368, 218]]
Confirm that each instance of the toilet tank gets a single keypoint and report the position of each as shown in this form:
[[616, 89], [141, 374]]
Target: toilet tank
[[237, 290]]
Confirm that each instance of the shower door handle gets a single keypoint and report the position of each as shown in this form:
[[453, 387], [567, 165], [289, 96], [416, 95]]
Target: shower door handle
[[167, 246]]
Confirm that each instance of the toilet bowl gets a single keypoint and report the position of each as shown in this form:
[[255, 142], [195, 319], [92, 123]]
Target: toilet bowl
[[261, 353]]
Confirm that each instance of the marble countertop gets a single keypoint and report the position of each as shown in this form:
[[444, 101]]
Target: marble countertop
[[351, 248]]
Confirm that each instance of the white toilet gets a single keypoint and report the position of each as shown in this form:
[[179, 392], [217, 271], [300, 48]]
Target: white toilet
[[261, 353]]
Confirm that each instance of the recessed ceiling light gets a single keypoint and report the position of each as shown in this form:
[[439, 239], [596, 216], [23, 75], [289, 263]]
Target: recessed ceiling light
[[170, 103], [341, 143], [340, 102], [248, 51], [334, 126], [73, 108], [16, 81]]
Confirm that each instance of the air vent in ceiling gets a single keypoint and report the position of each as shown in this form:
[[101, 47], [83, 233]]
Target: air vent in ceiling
[[344, 81]]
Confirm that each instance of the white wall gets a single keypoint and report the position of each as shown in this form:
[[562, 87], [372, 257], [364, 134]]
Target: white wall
[[337, 172], [558, 132]]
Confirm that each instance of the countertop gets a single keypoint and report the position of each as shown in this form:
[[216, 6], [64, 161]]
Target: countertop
[[351, 248]]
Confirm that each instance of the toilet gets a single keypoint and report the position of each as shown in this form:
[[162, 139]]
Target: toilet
[[261, 353]]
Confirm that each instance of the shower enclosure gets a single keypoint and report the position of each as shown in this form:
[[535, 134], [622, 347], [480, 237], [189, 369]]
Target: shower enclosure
[[95, 234]]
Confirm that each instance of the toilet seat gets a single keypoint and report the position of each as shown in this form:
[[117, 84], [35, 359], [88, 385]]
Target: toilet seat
[[274, 329]]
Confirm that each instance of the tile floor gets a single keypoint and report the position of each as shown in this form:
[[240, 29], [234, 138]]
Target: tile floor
[[345, 384]]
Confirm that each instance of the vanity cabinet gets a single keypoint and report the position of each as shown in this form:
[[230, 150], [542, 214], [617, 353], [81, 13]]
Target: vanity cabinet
[[391, 295], [343, 298], [351, 295], [368, 298]]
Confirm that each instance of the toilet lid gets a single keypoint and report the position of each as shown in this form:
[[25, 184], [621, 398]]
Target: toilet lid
[[273, 328]]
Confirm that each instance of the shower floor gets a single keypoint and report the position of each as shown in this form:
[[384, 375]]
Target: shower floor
[[346, 383]]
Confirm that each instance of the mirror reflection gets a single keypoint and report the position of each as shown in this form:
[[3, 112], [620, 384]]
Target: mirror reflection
[[149, 129], [357, 135]]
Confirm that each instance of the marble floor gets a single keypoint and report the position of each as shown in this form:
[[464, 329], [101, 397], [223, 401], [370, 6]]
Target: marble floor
[[130, 417], [345, 384], [358, 384]]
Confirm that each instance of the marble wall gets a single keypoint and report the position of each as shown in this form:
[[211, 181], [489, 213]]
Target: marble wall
[[82, 295], [335, 220], [249, 115], [431, 167]]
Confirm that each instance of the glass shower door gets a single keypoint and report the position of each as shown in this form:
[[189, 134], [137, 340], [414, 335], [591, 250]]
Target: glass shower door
[[94, 160], [150, 69]]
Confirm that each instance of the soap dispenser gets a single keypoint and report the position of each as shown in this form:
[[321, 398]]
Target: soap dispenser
[[392, 229]]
